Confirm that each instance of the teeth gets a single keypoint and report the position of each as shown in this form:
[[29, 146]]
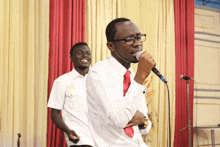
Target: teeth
[[84, 60]]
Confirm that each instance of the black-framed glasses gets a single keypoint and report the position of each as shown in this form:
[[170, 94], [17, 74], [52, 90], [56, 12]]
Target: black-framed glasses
[[131, 40]]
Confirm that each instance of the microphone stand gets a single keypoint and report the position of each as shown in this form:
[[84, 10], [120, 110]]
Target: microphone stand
[[189, 121], [18, 143]]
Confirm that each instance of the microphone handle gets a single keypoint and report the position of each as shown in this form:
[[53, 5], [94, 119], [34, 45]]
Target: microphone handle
[[156, 71]]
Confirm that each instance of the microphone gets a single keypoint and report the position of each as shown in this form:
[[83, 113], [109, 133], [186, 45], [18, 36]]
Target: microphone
[[154, 69], [185, 77]]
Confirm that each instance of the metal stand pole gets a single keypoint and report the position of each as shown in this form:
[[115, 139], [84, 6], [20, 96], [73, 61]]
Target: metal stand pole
[[18, 142], [189, 121]]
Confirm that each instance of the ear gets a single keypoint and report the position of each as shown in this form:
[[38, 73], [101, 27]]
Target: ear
[[111, 46], [72, 58]]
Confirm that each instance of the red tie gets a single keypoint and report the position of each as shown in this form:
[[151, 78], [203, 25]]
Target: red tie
[[129, 130]]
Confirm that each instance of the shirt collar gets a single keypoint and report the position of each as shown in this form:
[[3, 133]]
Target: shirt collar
[[75, 74], [118, 66]]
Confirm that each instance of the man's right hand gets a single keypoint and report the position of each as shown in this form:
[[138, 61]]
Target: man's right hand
[[57, 120], [146, 63], [73, 136]]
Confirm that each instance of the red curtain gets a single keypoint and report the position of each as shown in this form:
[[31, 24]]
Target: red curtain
[[184, 47], [67, 26]]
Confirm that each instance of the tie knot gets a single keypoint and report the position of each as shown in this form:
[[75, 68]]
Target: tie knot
[[127, 75]]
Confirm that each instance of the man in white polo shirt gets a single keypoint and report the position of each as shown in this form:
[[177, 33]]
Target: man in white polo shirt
[[68, 95]]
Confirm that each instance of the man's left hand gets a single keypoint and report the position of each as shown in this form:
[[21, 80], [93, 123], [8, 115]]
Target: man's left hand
[[137, 119]]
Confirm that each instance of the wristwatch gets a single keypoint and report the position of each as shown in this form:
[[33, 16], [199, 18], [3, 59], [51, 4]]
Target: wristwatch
[[145, 122], [143, 126]]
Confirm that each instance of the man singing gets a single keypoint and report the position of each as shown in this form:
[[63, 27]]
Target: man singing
[[115, 95]]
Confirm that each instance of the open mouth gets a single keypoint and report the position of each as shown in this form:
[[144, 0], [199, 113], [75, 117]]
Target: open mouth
[[84, 61]]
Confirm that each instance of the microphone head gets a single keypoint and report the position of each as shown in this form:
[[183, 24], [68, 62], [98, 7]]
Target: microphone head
[[181, 76], [138, 54], [19, 134], [185, 77]]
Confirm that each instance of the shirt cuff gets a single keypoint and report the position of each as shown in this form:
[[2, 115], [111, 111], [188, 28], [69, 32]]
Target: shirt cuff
[[147, 129], [137, 87]]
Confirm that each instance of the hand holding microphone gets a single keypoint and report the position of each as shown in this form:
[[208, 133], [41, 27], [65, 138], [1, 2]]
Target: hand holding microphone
[[146, 64]]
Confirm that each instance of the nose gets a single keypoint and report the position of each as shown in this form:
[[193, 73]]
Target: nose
[[136, 42], [84, 54]]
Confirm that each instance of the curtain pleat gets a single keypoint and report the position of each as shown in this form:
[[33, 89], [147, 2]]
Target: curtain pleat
[[184, 44], [24, 50], [67, 27], [98, 14], [156, 19], [165, 58]]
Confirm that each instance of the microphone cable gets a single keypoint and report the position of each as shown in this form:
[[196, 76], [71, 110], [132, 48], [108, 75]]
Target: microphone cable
[[169, 114], [138, 54]]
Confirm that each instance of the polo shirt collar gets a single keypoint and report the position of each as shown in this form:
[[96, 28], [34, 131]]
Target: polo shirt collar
[[74, 74]]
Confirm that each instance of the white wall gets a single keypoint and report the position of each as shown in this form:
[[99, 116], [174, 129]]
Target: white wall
[[207, 74]]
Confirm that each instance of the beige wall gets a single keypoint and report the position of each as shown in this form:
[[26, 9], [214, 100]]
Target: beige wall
[[207, 74]]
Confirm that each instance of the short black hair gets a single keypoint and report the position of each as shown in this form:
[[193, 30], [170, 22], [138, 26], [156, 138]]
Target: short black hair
[[77, 44], [111, 29]]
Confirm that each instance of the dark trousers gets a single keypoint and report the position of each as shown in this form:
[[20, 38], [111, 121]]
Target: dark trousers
[[80, 146]]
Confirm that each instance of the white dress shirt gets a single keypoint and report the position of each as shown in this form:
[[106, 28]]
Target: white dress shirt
[[110, 111], [68, 94]]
